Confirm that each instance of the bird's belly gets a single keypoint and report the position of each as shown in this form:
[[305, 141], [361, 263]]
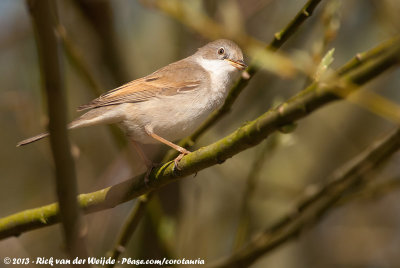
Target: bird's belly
[[171, 117]]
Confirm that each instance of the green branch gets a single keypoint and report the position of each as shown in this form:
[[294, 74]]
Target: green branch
[[247, 136]]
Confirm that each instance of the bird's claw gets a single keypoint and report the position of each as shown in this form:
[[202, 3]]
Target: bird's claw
[[178, 158]]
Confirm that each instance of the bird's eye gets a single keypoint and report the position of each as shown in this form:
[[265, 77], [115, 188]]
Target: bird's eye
[[221, 51]]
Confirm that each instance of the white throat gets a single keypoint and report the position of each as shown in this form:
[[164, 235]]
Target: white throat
[[222, 73]]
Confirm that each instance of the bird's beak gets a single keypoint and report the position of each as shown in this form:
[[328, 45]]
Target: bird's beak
[[239, 64]]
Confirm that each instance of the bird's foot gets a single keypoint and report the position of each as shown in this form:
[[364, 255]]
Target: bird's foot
[[179, 157]]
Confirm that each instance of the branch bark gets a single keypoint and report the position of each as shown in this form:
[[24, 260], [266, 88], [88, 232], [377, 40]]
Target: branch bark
[[247, 136]]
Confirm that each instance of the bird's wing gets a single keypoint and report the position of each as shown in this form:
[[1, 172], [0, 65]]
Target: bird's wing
[[176, 79]]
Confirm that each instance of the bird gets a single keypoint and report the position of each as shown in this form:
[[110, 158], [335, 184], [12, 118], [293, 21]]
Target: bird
[[169, 103]]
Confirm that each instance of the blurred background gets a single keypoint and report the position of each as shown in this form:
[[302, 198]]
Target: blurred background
[[108, 43]]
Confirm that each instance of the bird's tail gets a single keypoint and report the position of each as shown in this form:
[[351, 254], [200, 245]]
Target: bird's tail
[[103, 115], [33, 139], [75, 124], [72, 125]]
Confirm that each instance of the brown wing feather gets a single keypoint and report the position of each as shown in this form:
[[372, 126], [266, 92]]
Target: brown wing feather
[[165, 82]]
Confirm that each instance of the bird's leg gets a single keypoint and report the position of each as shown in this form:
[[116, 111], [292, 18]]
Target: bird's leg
[[180, 149], [149, 164]]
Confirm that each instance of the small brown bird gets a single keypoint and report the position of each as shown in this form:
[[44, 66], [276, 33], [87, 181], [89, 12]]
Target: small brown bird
[[170, 103]]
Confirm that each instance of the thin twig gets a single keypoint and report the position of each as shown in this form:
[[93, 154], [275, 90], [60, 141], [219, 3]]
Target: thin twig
[[76, 58], [372, 191], [251, 182], [247, 136], [128, 228]]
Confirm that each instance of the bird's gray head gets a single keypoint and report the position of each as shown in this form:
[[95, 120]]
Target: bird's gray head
[[223, 51]]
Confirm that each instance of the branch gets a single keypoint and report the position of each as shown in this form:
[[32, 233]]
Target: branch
[[44, 19], [371, 54], [247, 136], [372, 191], [251, 183], [312, 209]]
